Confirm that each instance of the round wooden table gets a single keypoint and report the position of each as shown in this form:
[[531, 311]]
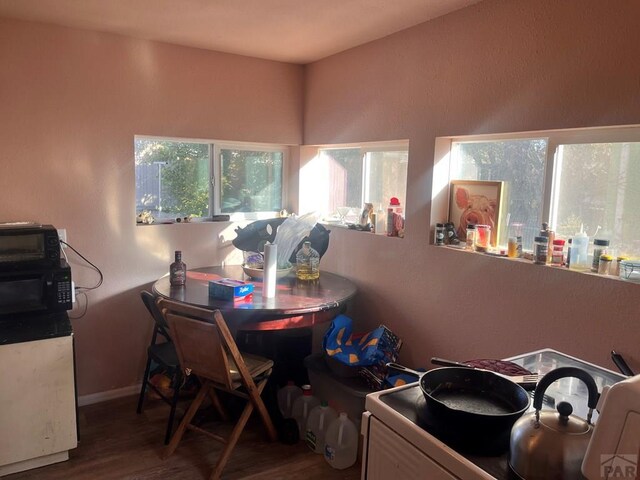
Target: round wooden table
[[296, 304]]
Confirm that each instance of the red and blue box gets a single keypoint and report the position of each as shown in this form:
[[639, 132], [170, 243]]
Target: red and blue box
[[230, 289]]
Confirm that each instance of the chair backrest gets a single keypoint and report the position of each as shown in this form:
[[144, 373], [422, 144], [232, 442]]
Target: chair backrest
[[161, 326], [202, 339]]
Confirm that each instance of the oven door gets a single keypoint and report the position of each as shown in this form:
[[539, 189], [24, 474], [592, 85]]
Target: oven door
[[387, 455], [22, 294]]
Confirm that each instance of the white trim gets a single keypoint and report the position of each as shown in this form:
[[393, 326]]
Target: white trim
[[92, 398]]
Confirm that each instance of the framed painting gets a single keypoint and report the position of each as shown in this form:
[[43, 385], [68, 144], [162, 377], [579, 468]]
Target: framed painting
[[477, 202]]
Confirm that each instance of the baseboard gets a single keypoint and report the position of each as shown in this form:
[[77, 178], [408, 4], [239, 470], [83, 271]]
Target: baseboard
[[108, 395]]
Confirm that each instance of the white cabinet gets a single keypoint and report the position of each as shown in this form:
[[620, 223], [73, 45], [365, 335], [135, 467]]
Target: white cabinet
[[37, 403], [389, 456]]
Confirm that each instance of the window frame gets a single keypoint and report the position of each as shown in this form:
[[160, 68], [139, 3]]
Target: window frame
[[364, 148], [554, 138], [215, 172]]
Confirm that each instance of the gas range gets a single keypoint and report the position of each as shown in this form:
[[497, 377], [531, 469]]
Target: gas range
[[398, 443]]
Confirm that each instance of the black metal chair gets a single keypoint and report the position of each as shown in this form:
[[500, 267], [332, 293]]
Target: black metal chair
[[165, 356]]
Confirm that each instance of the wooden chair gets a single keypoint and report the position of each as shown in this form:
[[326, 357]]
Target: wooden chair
[[163, 354], [206, 349]]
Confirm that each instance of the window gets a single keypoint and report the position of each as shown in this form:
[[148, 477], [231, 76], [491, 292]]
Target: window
[[177, 179], [518, 163], [349, 176], [572, 179]]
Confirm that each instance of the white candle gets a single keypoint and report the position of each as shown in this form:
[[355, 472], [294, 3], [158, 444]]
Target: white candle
[[270, 268]]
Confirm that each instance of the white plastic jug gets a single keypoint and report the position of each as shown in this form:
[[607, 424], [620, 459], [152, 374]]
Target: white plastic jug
[[341, 443], [302, 407], [317, 424], [287, 395]]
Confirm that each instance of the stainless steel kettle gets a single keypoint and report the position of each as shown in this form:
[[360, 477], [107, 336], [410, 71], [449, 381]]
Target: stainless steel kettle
[[551, 445]]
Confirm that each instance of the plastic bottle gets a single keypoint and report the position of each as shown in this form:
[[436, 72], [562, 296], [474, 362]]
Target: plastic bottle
[[540, 250], [341, 443], [381, 221], [287, 395], [317, 424], [302, 407], [307, 263], [177, 271], [579, 260]]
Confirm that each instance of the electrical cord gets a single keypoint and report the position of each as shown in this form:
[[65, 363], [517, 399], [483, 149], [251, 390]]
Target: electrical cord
[[86, 260], [80, 290]]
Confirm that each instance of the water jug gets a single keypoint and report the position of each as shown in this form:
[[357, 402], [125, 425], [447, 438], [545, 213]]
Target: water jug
[[287, 395], [302, 407], [317, 424], [341, 443]]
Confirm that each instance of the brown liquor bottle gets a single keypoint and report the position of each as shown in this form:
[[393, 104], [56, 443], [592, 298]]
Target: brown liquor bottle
[[177, 271]]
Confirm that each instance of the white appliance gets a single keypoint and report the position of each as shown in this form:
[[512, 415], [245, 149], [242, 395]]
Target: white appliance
[[614, 449], [396, 446], [37, 399]]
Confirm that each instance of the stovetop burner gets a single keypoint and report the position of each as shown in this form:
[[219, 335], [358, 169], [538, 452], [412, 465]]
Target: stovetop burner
[[474, 443], [410, 401]]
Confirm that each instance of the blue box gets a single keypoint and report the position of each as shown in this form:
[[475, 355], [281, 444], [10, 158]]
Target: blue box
[[229, 289]]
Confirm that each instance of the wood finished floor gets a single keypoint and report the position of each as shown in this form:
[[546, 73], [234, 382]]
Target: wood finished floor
[[116, 443]]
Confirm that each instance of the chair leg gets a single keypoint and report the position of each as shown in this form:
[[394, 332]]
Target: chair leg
[[143, 388], [193, 408], [177, 384], [256, 400], [231, 441], [215, 400]]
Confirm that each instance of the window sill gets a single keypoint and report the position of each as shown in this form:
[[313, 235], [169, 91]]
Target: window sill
[[348, 227], [530, 262]]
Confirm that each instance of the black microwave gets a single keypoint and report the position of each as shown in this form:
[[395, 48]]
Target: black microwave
[[37, 290], [28, 245]]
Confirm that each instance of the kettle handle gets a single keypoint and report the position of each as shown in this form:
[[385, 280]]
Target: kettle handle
[[564, 372]]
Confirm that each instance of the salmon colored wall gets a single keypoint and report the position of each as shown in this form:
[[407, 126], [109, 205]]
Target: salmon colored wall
[[71, 103], [497, 66]]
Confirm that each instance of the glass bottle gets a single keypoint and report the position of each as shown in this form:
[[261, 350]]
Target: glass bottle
[[540, 250], [177, 271], [471, 236], [599, 248], [307, 263]]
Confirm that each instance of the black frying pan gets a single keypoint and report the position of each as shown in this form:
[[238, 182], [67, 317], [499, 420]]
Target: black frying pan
[[470, 409]]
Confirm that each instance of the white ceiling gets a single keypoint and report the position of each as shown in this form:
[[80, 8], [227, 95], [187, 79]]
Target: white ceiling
[[296, 31]]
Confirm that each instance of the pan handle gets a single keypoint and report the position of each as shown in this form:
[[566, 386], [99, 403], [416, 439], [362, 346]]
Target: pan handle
[[448, 363], [400, 368], [621, 364]]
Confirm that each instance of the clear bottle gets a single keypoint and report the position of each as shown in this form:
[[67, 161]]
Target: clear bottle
[[519, 246], [302, 407], [579, 260], [604, 264], [439, 234], [471, 236], [341, 443], [381, 221], [317, 424], [307, 263], [512, 247], [287, 396], [177, 271], [599, 248]]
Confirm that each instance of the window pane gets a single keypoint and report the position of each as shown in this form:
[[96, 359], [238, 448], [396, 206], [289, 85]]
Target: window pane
[[597, 185], [251, 181], [385, 177], [518, 163], [172, 178], [343, 167]]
